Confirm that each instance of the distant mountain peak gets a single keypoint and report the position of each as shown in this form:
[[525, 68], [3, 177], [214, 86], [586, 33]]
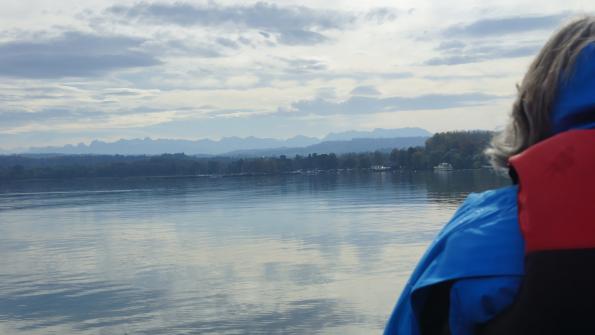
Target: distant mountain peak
[[148, 146]]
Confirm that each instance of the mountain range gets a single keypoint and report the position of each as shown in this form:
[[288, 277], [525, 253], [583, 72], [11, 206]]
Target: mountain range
[[349, 141], [338, 147]]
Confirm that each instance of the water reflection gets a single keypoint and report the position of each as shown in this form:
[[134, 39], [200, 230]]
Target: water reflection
[[455, 185], [85, 305], [296, 317], [289, 254]]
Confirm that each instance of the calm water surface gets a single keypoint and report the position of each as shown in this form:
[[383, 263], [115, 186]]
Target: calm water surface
[[324, 254]]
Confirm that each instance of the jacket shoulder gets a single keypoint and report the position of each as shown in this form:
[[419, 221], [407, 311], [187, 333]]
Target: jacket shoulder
[[485, 206], [482, 239]]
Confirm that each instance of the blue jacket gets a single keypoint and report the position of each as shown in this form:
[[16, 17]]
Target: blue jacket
[[482, 249]]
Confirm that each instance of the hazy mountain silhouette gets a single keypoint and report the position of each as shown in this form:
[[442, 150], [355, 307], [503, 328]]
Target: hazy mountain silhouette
[[378, 133], [150, 146], [338, 147], [237, 145]]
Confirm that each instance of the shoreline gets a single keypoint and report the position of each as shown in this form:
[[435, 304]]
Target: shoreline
[[244, 175]]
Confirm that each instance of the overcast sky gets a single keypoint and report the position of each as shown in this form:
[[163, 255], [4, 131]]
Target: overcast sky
[[73, 71]]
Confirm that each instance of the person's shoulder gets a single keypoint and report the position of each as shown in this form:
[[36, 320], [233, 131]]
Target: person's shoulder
[[504, 198], [501, 196], [496, 204], [482, 239]]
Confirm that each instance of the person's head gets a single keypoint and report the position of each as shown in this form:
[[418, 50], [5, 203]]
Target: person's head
[[552, 93]]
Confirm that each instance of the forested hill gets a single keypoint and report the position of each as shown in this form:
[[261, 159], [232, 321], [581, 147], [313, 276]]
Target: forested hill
[[463, 149]]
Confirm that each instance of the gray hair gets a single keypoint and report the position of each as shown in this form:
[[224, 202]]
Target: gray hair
[[529, 120]]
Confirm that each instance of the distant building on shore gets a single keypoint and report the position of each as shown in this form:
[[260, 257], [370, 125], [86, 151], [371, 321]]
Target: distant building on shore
[[443, 167], [380, 168]]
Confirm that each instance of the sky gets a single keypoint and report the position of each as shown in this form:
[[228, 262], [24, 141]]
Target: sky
[[75, 71]]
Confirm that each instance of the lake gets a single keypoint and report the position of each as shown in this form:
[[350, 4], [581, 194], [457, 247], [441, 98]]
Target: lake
[[321, 254]]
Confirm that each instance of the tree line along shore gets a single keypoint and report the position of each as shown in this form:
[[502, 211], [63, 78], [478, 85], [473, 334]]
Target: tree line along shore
[[460, 149]]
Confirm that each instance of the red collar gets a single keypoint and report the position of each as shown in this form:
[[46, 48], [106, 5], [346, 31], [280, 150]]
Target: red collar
[[556, 198]]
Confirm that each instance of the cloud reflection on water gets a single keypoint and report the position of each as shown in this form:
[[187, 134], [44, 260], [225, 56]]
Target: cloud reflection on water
[[239, 255]]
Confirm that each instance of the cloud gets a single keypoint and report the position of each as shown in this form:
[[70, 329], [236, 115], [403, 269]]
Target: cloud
[[366, 105], [226, 42], [474, 54], [75, 117], [301, 37], [505, 25], [72, 54], [260, 15], [451, 45], [326, 93], [305, 69], [365, 90], [301, 65], [394, 75], [290, 24], [126, 92], [382, 15], [175, 47], [17, 118], [468, 43]]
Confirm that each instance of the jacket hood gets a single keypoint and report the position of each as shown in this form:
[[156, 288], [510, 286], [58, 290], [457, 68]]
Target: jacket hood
[[575, 103]]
